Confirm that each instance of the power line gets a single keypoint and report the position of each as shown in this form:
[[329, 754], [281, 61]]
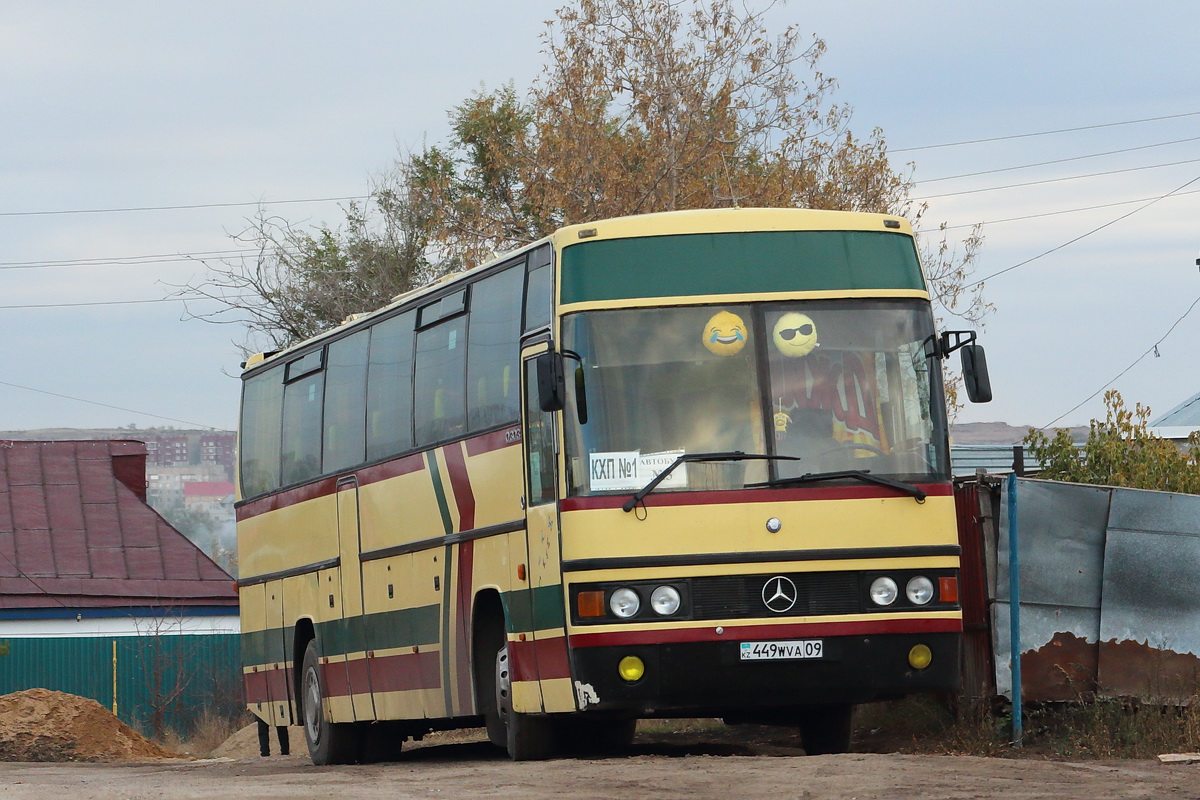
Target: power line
[[106, 303], [1056, 213], [135, 261], [106, 405], [189, 206], [1056, 161], [1085, 235], [1043, 133], [1056, 180], [1152, 349]]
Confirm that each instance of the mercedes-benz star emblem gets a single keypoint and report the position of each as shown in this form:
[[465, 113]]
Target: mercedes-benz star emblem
[[779, 594]]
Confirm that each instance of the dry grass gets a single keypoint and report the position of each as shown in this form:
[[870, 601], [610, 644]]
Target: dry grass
[[1099, 729], [208, 733]]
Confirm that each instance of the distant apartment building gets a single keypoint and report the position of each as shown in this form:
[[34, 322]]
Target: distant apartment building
[[188, 449]]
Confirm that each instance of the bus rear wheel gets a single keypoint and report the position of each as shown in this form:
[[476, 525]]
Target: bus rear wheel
[[528, 737], [328, 742], [827, 729]]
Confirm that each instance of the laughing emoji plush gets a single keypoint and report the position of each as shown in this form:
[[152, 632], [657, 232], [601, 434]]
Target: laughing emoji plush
[[795, 334], [725, 334]]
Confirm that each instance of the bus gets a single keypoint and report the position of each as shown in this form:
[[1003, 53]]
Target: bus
[[688, 464]]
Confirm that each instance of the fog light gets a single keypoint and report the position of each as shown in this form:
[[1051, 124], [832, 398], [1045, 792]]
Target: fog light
[[631, 669], [920, 656]]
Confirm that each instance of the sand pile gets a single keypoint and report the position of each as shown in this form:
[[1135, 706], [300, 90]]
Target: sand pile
[[41, 725]]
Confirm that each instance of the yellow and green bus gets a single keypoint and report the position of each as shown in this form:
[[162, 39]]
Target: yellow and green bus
[[674, 465]]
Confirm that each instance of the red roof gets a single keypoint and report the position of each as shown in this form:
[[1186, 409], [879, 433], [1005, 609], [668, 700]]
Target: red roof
[[75, 531], [208, 489]]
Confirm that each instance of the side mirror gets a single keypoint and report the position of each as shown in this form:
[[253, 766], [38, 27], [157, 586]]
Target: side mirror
[[552, 390], [975, 374]]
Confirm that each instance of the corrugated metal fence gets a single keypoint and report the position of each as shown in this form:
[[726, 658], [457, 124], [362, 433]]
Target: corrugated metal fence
[[154, 683], [1109, 605]]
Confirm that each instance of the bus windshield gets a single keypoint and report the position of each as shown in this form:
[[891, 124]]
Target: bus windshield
[[838, 384]]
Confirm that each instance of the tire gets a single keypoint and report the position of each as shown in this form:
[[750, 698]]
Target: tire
[[328, 742], [488, 639], [528, 737], [827, 729]]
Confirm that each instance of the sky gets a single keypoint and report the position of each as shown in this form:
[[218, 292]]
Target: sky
[[136, 138]]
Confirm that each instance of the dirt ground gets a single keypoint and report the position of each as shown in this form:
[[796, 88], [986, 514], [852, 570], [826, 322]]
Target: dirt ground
[[658, 766], [475, 771], [61, 747]]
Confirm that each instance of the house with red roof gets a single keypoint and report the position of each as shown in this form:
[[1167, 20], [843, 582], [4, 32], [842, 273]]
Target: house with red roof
[[95, 585]]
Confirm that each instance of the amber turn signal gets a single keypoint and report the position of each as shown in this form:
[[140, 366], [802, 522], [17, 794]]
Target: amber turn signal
[[590, 604], [948, 590]]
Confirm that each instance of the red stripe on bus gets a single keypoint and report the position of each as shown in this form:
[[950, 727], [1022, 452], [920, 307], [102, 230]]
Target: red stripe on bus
[[462, 647], [405, 672], [396, 673], [753, 496], [460, 482], [328, 486], [255, 684], [496, 440], [541, 659], [267, 685], [766, 632]]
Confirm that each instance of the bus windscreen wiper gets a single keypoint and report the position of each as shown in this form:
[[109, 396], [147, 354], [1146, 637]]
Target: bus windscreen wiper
[[734, 455], [857, 474]]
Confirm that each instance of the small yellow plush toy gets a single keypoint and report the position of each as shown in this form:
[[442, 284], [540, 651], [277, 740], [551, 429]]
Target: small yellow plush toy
[[795, 334], [725, 334]]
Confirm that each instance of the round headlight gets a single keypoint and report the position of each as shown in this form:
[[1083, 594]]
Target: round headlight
[[624, 603], [919, 590], [884, 591], [665, 600]]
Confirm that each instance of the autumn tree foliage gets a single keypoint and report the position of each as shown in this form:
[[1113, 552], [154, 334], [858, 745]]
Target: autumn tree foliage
[[643, 106], [1120, 451]]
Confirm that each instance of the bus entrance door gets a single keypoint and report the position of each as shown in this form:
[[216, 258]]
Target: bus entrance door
[[358, 670], [544, 577]]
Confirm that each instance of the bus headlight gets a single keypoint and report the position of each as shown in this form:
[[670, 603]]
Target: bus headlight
[[624, 603], [884, 591], [665, 600], [919, 590]]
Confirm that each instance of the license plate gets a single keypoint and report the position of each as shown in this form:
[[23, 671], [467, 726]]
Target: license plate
[[782, 651]]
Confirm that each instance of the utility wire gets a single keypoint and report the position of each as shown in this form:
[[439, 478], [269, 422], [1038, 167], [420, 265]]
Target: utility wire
[[1055, 161], [106, 405], [1056, 213], [1056, 180], [109, 303], [1084, 235], [178, 207], [1152, 349], [1043, 133]]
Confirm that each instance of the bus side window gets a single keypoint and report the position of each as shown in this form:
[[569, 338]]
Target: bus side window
[[258, 450], [439, 404], [390, 387], [302, 402], [539, 441], [345, 390], [492, 352], [539, 291]]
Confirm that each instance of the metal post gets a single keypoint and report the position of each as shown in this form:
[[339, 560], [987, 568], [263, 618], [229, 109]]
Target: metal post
[[1014, 610], [114, 674]]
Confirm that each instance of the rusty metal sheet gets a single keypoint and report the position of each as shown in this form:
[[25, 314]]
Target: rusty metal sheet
[[1062, 531], [1150, 619]]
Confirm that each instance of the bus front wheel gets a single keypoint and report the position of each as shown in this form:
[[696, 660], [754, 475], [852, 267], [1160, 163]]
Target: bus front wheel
[[529, 737], [328, 742]]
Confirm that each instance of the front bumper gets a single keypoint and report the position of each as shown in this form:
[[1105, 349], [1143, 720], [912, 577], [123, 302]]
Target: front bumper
[[708, 678]]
